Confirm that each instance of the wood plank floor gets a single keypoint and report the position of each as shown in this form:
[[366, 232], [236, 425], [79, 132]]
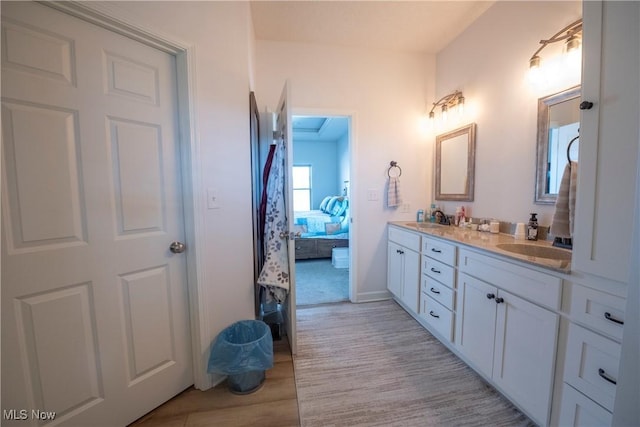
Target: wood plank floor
[[275, 404]]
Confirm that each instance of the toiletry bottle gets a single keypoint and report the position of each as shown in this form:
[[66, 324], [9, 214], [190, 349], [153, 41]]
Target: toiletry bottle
[[532, 227], [432, 213], [420, 215]]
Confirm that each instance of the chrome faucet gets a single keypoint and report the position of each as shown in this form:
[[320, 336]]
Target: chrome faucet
[[441, 218]]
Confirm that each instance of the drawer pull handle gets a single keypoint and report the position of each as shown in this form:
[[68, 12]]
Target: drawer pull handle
[[438, 251], [606, 377], [434, 291], [435, 271], [491, 296], [499, 300], [608, 316], [434, 315]]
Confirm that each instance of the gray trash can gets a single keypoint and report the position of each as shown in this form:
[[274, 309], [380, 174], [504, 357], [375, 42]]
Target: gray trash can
[[243, 351]]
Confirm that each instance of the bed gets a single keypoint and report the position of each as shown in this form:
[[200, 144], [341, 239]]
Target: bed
[[323, 229]]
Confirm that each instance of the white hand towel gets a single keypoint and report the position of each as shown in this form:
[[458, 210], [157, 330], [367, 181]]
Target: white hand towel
[[564, 215], [394, 197]]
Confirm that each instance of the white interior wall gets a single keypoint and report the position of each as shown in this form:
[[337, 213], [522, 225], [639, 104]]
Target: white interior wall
[[386, 93], [220, 33], [489, 63], [342, 148], [322, 156]]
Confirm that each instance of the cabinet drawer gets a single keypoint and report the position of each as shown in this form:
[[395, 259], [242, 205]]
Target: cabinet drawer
[[305, 248], [437, 316], [576, 410], [439, 292], [439, 250], [439, 271], [591, 364], [405, 238], [325, 246], [598, 310], [533, 285]]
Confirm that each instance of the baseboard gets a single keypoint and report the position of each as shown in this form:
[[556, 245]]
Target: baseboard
[[372, 296]]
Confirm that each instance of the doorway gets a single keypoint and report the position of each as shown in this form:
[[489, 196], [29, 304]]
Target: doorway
[[321, 172]]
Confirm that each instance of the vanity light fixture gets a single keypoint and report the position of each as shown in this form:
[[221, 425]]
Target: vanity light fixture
[[454, 99], [572, 33]]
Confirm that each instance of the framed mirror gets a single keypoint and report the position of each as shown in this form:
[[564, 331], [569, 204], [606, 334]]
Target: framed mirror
[[455, 164], [558, 124]]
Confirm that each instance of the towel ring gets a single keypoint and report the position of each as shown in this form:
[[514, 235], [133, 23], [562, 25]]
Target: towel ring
[[394, 164], [569, 149]]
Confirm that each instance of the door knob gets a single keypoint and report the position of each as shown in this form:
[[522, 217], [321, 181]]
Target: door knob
[[177, 247], [586, 105]]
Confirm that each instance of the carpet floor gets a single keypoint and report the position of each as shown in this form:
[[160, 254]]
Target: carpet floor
[[319, 282], [372, 364]]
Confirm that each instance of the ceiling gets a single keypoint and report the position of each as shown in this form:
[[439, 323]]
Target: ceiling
[[318, 128], [413, 26]]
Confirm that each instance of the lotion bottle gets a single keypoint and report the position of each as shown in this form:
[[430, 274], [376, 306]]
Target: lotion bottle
[[532, 227]]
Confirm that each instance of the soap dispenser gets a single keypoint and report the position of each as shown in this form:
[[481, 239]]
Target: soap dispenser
[[532, 227]]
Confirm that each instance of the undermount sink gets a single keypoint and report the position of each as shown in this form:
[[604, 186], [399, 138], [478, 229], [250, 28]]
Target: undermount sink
[[423, 224], [536, 251]]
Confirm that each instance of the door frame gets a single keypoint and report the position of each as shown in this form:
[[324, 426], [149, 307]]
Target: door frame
[[351, 116], [109, 17]]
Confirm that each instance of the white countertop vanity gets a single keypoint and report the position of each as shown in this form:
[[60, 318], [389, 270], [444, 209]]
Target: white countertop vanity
[[517, 319]]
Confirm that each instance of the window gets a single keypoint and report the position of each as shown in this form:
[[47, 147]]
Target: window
[[302, 188]]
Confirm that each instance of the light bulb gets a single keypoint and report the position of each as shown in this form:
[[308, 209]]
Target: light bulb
[[444, 113], [460, 105]]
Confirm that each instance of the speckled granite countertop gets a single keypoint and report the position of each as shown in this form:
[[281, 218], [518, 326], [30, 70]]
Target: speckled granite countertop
[[490, 242]]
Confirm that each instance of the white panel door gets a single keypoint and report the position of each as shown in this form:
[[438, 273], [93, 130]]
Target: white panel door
[[283, 125], [475, 322], [94, 305], [525, 338]]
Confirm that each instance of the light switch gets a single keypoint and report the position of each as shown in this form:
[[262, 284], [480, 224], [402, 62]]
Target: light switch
[[212, 198], [372, 194]]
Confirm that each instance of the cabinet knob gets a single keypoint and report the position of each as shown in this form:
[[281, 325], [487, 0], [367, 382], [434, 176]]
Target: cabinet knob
[[491, 296], [586, 105], [499, 300]]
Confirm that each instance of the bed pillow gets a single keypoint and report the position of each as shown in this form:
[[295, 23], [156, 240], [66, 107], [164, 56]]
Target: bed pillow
[[332, 201], [340, 207], [324, 203]]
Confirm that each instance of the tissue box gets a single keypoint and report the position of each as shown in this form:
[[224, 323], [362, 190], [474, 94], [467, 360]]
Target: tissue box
[[340, 257]]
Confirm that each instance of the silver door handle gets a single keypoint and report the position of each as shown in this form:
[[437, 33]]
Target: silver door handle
[[289, 235], [177, 247]]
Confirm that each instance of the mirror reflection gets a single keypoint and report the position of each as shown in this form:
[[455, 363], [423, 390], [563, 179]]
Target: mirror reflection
[[558, 125], [455, 163]]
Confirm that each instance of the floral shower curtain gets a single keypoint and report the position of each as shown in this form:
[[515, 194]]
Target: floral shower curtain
[[274, 276]]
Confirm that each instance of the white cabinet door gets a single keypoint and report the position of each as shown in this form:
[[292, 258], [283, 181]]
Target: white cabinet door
[[475, 322], [411, 279], [525, 353], [608, 154], [394, 269]]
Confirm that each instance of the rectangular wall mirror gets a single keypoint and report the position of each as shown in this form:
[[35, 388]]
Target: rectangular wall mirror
[[455, 164], [558, 123]]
